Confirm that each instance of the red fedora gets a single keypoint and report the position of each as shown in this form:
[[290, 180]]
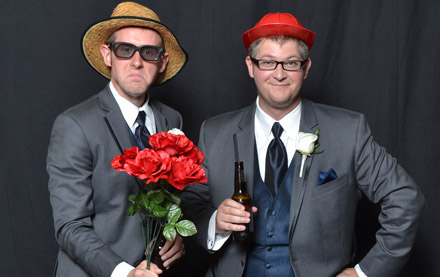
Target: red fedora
[[278, 24]]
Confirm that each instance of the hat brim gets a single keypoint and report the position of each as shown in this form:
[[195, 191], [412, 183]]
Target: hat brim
[[278, 30], [99, 33]]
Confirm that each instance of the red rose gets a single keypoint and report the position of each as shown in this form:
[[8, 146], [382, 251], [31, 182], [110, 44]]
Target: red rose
[[185, 171], [149, 166], [176, 145], [120, 160], [195, 155], [172, 144]]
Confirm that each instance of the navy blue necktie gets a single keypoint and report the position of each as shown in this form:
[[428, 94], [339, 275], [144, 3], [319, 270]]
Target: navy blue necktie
[[276, 160], [141, 133]]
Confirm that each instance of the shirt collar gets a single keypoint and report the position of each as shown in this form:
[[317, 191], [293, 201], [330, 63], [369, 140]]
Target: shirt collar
[[128, 109], [290, 122]]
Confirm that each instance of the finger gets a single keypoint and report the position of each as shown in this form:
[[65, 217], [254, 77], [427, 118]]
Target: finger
[[142, 265], [166, 247], [235, 217], [154, 268], [172, 248], [172, 257], [232, 211], [229, 203]]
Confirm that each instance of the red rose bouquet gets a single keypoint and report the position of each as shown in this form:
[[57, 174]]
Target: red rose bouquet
[[172, 161]]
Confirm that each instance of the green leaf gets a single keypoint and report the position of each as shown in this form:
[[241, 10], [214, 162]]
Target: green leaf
[[169, 232], [174, 213], [142, 200], [130, 210], [155, 196], [132, 198], [171, 197], [158, 211], [186, 228]]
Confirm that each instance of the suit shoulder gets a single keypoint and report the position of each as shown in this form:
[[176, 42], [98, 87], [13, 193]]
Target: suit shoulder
[[82, 109], [164, 107], [332, 115], [228, 118], [323, 108]]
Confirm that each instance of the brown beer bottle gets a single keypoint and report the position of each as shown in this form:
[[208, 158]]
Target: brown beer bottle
[[242, 196]]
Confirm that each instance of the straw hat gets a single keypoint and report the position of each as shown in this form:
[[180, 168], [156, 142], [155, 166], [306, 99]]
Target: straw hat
[[131, 14], [278, 24]]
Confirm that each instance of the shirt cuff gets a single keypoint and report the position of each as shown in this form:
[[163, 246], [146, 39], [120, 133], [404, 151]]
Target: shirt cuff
[[359, 271], [216, 241], [122, 270]]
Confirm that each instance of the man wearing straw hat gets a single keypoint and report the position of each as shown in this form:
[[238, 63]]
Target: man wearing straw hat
[[89, 199], [306, 166]]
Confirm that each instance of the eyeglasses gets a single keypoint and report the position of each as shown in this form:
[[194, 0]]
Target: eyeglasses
[[291, 65], [126, 50]]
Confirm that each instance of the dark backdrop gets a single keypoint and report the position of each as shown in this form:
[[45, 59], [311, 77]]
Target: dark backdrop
[[378, 57]]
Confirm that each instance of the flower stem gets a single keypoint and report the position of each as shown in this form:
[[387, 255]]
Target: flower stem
[[303, 160]]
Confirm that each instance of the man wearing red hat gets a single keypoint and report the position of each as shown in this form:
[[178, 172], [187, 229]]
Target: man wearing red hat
[[306, 166]]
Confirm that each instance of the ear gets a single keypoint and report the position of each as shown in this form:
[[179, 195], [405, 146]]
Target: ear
[[106, 53], [306, 70], [250, 66], [164, 61]]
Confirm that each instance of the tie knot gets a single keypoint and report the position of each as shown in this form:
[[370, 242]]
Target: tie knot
[[141, 118], [277, 130]]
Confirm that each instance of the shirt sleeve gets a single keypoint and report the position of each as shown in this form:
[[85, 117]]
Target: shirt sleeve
[[122, 270], [359, 271], [216, 241]]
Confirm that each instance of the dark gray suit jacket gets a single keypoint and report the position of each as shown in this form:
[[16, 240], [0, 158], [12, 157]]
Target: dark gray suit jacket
[[89, 198], [322, 218]]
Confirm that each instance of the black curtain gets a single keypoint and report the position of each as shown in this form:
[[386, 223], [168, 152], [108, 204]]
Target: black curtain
[[378, 57]]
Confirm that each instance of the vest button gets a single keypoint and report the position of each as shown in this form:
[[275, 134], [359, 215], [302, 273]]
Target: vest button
[[268, 266], [273, 213], [269, 248], [270, 234]]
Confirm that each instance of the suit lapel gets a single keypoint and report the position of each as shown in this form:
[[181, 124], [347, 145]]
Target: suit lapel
[[117, 125], [115, 120], [159, 118], [246, 150], [307, 125]]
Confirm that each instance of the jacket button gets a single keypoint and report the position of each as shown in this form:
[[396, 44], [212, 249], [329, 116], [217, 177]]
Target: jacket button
[[270, 234], [269, 248], [268, 266]]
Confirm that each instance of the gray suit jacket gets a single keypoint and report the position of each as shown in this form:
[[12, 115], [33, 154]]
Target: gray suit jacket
[[89, 198], [322, 218]]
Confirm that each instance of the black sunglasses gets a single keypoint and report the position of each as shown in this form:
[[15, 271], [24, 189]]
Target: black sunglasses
[[126, 50]]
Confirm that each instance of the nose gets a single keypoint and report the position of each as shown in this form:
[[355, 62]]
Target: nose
[[279, 73], [136, 60]]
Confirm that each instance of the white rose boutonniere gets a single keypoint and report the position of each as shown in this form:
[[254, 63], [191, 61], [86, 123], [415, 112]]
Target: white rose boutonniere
[[307, 144], [176, 131]]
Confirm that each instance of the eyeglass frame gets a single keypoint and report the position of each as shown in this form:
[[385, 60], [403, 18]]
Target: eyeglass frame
[[257, 63], [159, 49]]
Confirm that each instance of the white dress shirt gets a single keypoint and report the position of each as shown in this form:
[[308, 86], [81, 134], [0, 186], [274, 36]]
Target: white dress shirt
[[130, 113]]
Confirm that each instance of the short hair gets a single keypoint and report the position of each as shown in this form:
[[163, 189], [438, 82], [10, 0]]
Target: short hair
[[303, 48]]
